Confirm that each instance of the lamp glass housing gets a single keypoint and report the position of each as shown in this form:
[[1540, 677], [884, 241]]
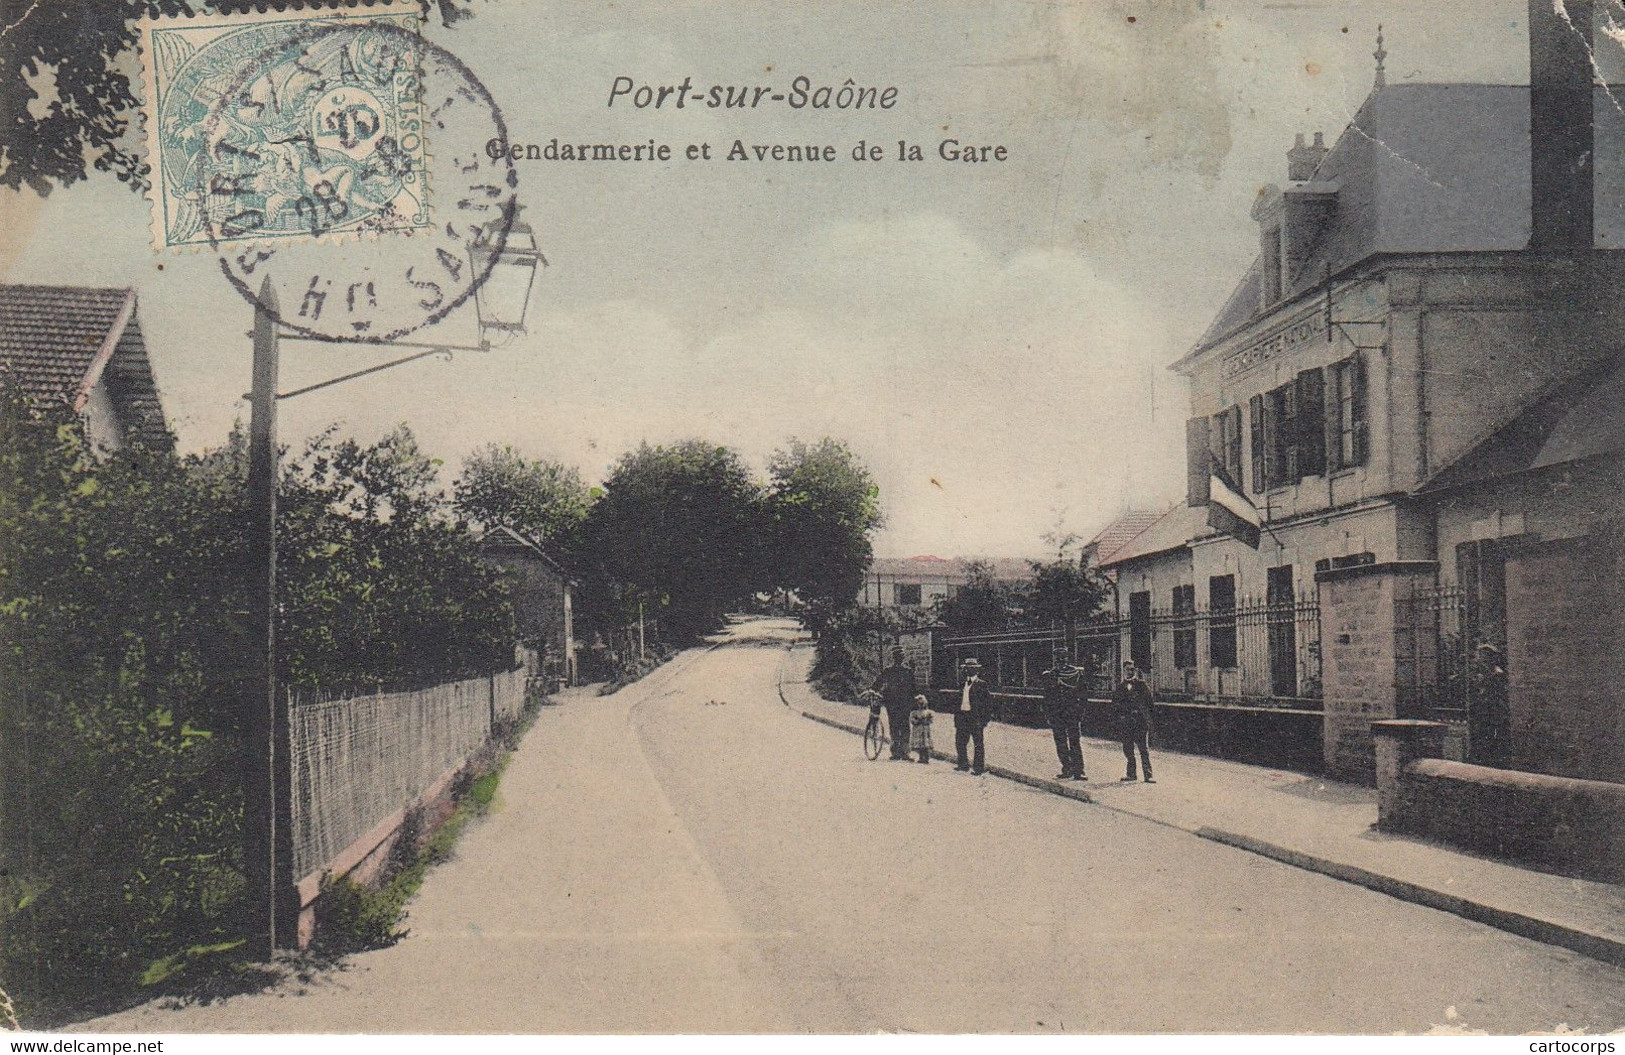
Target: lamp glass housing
[[502, 299]]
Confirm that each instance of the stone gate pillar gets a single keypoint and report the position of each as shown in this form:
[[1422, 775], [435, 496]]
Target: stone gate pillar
[[1376, 653]]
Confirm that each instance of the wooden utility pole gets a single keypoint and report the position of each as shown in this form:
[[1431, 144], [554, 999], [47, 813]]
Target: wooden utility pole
[[267, 767]]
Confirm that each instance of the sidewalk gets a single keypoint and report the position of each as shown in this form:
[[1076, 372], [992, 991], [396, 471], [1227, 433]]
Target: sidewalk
[[1308, 822]]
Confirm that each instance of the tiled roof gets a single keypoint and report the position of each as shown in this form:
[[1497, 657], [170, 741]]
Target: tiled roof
[[1173, 530], [49, 338], [1112, 537], [1436, 168]]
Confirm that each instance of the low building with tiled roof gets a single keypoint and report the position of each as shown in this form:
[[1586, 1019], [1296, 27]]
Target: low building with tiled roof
[[1111, 538], [67, 345]]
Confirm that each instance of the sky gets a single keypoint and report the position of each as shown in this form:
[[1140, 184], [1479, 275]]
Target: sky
[[991, 339]]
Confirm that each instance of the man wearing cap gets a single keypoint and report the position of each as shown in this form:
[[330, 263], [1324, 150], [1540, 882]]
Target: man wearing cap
[[1131, 708], [974, 711], [1061, 688], [896, 687]]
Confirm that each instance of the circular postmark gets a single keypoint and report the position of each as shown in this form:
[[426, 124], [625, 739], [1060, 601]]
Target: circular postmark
[[342, 168]]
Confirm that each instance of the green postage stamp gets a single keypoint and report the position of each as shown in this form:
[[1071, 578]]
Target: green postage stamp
[[264, 128]]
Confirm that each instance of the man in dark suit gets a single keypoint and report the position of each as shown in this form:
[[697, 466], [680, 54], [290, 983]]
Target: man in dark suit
[[896, 687], [1061, 689], [1131, 709], [971, 715]]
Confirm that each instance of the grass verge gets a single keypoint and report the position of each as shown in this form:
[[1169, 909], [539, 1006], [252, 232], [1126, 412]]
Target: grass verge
[[351, 917]]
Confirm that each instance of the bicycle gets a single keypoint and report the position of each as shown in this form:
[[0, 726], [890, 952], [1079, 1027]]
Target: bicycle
[[874, 734]]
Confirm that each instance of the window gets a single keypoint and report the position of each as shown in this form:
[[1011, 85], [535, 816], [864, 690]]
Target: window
[[1281, 631], [1139, 629], [1345, 416], [1185, 627], [906, 593], [1289, 431], [1224, 441], [1221, 632]]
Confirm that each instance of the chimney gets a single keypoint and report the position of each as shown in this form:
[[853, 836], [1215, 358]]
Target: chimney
[[1560, 125], [1302, 161]]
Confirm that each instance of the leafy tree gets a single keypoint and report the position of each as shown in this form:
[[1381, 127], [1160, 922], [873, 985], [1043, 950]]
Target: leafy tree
[[983, 603], [542, 500], [123, 637], [65, 97], [378, 583], [824, 505], [681, 525], [1063, 593]]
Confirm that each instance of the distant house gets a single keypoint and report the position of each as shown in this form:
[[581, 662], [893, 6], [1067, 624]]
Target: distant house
[[543, 598], [917, 583], [65, 345]]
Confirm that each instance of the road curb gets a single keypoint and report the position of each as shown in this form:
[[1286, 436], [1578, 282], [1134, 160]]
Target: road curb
[[1595, 946], [1054, 787]]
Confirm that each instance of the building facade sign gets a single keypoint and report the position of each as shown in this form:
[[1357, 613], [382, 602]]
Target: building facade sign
[[1289, 338]]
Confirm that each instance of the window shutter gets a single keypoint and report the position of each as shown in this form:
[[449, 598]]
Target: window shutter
[[1255, 414], [1232, 448], [1288, 431], [1357, 367], [1312, 422], [1332, 439], [1196, 464]]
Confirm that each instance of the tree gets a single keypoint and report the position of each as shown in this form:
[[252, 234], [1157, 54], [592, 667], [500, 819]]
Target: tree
[[65, 99], [983, 603], [378, 583], [682, 526], [539, 499], [824, 505], [1063, 593], [124, 586]]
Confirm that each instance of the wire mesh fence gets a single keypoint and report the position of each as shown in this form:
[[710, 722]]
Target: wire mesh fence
[[357, 760]]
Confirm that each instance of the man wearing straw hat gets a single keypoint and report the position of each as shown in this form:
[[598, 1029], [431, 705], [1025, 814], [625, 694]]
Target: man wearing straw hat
[[971, 716]]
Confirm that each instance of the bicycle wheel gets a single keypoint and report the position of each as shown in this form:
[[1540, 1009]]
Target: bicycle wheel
[[874, 737]]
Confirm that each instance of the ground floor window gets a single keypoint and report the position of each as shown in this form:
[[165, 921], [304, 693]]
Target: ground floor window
[[1221, 635]]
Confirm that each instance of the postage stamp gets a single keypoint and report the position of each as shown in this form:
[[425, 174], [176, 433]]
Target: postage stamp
[[274, 136], [282, 126]]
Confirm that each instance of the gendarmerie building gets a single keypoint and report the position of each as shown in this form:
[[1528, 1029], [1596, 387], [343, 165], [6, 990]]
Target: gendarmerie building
[[1418, 385]]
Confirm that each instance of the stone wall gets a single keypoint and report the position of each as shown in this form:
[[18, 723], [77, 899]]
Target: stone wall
[[1565, 626], [1370, 656], [1576, 827]]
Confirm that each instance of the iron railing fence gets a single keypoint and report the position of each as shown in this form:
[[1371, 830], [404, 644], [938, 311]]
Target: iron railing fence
[[1451, 669], [1259, 653]]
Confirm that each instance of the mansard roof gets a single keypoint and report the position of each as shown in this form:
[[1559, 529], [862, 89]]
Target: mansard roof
[[1435, 168]]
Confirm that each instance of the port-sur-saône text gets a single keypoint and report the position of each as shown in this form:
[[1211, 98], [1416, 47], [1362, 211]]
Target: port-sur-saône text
[[803, 95]]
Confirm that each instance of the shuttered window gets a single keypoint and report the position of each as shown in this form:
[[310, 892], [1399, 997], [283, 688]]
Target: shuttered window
[[1346, 414], [1255, 416]]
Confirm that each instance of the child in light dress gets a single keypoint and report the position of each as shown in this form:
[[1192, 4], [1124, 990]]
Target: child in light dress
[[919, 729]]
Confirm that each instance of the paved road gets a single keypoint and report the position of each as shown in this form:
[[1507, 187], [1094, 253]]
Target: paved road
[[690, 855]]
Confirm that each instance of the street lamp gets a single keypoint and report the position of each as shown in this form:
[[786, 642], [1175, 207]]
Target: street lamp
[[267, 770], [510, 270]]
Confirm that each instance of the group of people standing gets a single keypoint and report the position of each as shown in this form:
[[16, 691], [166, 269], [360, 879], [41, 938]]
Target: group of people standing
[[1065, 693]]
